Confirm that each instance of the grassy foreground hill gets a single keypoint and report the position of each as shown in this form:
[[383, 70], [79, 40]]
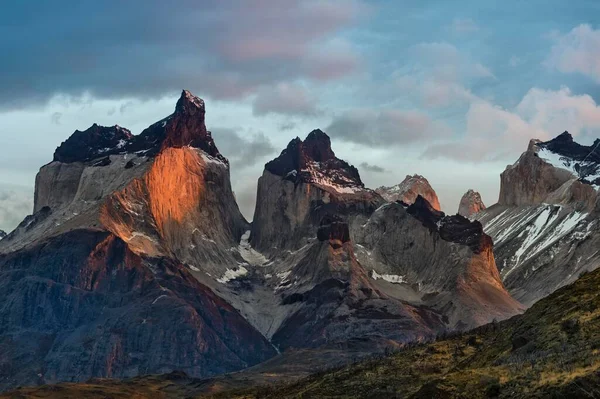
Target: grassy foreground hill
[[551, 351]]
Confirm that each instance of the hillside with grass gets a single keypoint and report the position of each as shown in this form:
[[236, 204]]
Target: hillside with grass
[[551, 351]]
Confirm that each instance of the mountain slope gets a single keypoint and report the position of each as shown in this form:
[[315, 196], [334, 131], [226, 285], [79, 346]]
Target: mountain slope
[[337, 301], [549, 351], [545, 227]]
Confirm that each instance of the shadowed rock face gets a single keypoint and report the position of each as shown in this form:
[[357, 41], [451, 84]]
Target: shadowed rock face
[[2, 234], [408, 191], [470, 204], [82, 305], [336, 301], [334, 230]]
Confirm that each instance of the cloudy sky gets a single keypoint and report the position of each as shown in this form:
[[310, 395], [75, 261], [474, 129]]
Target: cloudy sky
[[450, 90]]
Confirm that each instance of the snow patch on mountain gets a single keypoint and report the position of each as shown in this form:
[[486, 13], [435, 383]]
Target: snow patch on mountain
[[249, 254], [232, 274], [391, 278], [338, 182]]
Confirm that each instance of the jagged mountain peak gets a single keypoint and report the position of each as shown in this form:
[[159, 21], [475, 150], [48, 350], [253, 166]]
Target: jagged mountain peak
[[317, 146], [185, 127], [313, 161], [570, 153], [409, 189], [470, 204], [189, 103]]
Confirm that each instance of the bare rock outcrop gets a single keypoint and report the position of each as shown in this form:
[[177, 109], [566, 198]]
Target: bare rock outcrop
[[408, 191], [447, 260], [336, 300], [470, 204]]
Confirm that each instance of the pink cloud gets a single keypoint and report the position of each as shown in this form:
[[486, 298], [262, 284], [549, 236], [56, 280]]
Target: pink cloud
[[577, 52]]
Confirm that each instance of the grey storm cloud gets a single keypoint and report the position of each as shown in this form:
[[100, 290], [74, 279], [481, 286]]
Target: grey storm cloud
[[372, 168], [221, 48], [242, 151], [385, 128], [285, 99], [287, 126]]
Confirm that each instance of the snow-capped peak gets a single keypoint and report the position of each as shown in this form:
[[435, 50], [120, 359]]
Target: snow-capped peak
[[564, 153]]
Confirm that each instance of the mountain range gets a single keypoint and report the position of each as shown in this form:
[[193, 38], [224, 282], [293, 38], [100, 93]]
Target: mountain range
[[136, 259]]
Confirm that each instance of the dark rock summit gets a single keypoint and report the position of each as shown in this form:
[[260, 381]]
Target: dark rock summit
[[2, 234], [457, 229], [313, 161], [564, 145], [92, 143]]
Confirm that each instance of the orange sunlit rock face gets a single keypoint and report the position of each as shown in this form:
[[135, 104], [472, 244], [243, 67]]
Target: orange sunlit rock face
[[155, 208], [175, 185]]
